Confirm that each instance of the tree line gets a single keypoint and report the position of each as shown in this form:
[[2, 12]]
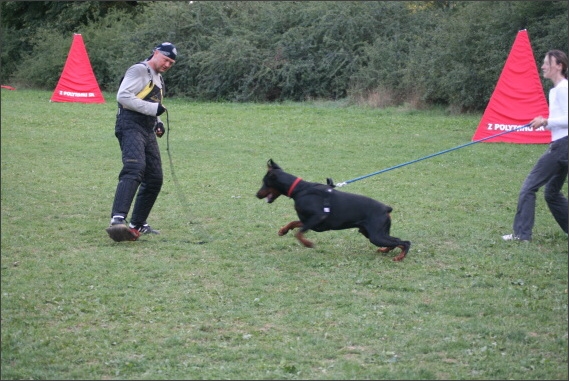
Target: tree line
[[381, 53]]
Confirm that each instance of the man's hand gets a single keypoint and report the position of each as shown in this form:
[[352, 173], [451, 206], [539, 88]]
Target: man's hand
[[159, 129]]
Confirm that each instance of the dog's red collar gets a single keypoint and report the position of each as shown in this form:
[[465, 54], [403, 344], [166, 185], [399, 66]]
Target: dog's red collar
[[294, 184]]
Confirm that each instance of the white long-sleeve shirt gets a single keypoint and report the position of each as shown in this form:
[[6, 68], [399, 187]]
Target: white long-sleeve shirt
[[558, 117]]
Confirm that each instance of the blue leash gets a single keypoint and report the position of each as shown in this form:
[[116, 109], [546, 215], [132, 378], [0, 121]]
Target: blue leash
[[429, 156]]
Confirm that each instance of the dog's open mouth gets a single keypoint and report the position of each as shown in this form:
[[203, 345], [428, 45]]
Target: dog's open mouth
[[268, 194]]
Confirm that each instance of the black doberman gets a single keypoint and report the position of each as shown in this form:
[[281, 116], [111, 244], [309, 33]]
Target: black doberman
[[320, 207]]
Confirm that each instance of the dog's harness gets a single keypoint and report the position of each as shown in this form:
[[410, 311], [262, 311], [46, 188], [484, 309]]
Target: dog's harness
[[327, 195], [325, 191], [294, 184]]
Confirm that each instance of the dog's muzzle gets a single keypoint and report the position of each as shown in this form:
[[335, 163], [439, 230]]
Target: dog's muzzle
[[267, 195]]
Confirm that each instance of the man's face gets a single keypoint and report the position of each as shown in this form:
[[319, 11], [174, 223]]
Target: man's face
[[162, 63]]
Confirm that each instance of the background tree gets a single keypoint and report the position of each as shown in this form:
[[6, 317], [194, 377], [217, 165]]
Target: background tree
[[383, 53]]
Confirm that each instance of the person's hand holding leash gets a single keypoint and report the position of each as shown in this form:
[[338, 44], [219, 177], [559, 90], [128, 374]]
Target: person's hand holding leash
[[538, 121]]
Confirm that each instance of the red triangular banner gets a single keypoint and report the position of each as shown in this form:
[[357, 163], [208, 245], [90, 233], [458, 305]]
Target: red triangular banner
[[77, 82], [516, 100]]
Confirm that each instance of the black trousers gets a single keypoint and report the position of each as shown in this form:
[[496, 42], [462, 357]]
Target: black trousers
[[142, 166], [551, 171]]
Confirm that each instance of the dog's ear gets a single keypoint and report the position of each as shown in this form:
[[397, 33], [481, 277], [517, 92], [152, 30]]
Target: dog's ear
[[272, 165]]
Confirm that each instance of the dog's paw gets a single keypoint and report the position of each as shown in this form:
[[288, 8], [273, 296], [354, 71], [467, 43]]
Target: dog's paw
[[400, 256], [283, 231], [300, 237]]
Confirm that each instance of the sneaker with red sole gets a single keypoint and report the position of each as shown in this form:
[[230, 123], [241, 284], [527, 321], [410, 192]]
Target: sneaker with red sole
[[119, 231], [143, 229]]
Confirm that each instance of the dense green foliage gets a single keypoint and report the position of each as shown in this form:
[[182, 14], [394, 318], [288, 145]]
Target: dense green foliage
[[383, 52]]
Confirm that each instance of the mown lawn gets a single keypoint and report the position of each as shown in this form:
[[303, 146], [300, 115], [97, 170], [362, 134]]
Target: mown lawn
[[219, 295]]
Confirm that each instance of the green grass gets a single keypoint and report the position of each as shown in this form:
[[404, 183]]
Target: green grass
[[248, 304]]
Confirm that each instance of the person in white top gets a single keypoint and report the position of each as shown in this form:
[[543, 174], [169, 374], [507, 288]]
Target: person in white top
[[551, 168]]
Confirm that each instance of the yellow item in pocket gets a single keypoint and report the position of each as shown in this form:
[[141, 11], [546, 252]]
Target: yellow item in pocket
[[145, 91]]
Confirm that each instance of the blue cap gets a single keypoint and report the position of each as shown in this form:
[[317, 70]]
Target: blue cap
[[168, 49]]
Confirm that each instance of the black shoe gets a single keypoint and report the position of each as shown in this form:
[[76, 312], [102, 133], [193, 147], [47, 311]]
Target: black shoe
[[143, 229]]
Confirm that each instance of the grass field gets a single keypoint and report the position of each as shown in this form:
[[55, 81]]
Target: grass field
[[248, 304]]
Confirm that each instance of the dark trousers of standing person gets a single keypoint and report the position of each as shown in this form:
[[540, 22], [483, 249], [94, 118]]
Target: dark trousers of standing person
[[142, 166], [551, 171]]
